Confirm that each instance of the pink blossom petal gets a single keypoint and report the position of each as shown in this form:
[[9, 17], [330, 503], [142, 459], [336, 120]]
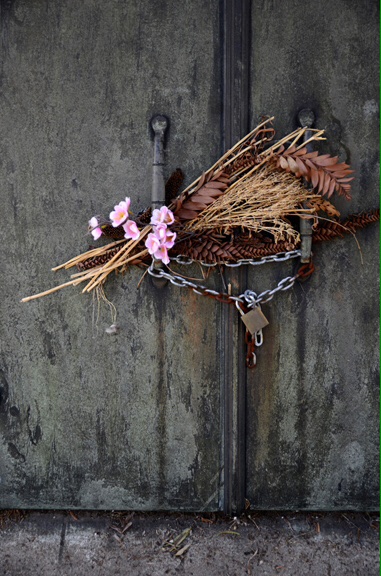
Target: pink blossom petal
[[162, 216], [169, 239], [95, 229], [156, 217], [160, 230], [96, 233], [152, 243], [93, 222], [131, 230], [162, 254], [168, 217], [120, 213]]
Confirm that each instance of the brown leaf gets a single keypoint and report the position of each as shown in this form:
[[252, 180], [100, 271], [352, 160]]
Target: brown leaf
[[321, 181], [186, 214], [292, 164], [283, 163], [341, 166], [314, 178], [201, 181], [325, 160], [301, 152], [204, 199], [331, 188], [216, 184], [173, 185], [191, 205], [327, 182], [217, 174], [341, 173], [290, 150], [301, 166], [211, 192], [311, 154], [309, 163]]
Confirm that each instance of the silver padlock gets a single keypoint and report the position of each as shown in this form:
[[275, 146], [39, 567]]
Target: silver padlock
[[254, 320]]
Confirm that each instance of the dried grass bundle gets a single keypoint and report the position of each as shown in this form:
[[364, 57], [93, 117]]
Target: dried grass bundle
[[251, 190], [260, 202]]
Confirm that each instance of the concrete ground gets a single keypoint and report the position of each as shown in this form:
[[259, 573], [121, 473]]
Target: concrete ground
[[103, 543]]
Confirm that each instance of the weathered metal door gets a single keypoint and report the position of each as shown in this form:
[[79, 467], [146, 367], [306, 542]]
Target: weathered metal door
[[164, 414]]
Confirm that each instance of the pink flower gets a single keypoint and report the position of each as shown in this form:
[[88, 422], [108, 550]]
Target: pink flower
[[120, 213], [162, 254], [162, 216], [160, 230], [166, 237], [95, 229], [131, 230], [169, 239], [152, 243], [161, 239]]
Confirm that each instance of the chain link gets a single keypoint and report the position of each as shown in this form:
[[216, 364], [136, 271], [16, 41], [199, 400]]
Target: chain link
[[197, 288], [253, 300], [249, 298]]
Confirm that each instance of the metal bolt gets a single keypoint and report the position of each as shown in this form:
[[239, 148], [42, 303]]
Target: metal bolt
[[306, 118]]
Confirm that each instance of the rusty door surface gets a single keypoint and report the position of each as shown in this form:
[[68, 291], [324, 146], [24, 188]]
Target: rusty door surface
[[164, 414]]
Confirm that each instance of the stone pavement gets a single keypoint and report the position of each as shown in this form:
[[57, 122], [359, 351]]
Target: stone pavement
[[149, 544]]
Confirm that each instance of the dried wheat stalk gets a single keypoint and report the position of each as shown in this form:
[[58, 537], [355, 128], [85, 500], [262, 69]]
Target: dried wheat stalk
[[254, 186], [260, 203]]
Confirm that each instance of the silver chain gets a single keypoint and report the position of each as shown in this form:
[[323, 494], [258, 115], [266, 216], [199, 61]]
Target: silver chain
[[183, 283], [253, 300], [249, 298]]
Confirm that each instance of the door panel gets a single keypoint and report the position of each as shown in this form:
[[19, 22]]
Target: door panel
[[312, 402], [90, 420]]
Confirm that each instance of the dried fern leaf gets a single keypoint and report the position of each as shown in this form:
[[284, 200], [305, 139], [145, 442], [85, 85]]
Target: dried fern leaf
[[324, 172], [210, 187], [329, 230], [321, 204], [213, 248], [96, 261]]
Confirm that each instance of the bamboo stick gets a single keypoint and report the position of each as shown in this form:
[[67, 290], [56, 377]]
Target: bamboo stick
[[103, 272], [95, 281], [89, 254], [55, 289], [229, 152]]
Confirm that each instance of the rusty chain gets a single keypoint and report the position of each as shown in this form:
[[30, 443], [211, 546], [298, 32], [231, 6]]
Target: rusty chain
[[245, 301], [248, 298]]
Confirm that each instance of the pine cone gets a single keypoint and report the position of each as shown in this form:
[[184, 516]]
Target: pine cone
[[110, 232], [98, 260], [144, 216]]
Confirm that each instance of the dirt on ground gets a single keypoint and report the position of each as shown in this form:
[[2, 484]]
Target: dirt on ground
[[153, 544]]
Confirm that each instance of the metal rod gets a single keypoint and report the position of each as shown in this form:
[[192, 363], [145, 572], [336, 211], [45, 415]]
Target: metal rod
[[159, 125], [306, 118]]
